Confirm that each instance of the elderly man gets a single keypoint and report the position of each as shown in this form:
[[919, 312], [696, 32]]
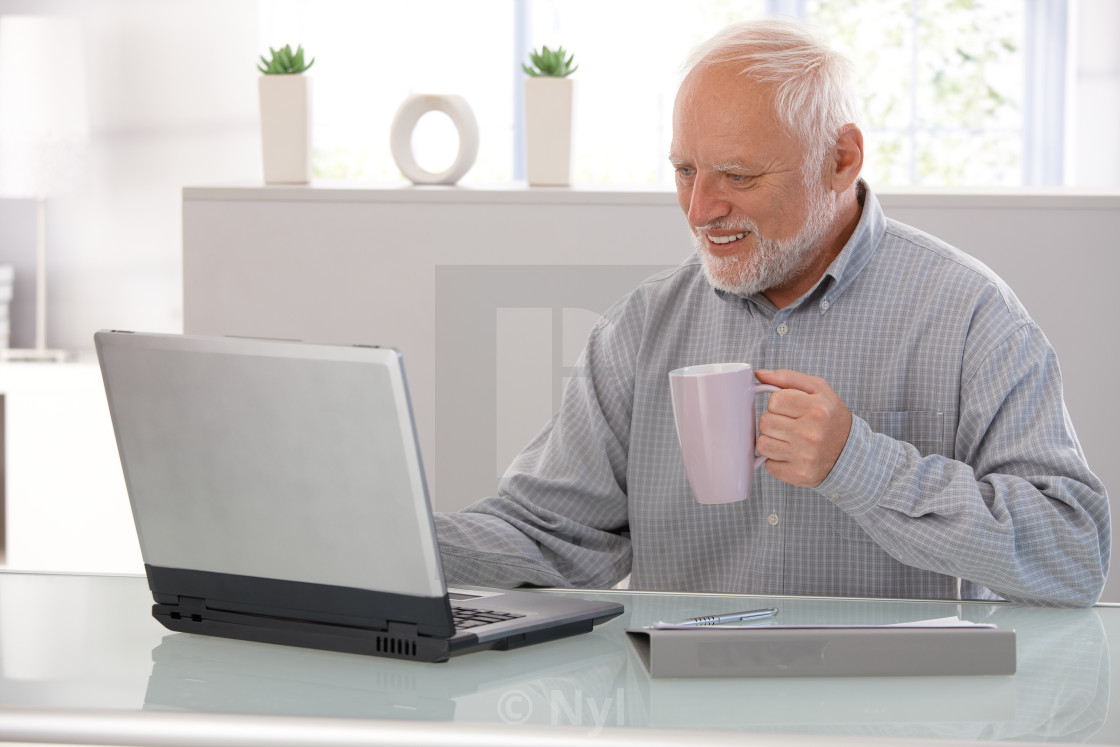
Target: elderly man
[[919, 446]]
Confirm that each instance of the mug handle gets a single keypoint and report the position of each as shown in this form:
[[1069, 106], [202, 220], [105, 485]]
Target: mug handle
[[759, 460]]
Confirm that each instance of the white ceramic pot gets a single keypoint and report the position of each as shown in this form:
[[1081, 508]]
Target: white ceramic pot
[[549, 118], [286, 128]]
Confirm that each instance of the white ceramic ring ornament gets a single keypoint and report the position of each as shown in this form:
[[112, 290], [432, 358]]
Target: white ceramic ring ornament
[[400, 137]]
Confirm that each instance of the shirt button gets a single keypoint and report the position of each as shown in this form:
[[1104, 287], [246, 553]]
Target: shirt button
[[834, 496], [773, 519], [783, 328], [825, 305]]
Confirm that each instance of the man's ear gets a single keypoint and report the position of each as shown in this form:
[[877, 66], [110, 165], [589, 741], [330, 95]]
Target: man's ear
[[847, 158]]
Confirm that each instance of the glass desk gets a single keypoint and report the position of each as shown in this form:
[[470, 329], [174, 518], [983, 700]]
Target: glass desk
[[82, 661]]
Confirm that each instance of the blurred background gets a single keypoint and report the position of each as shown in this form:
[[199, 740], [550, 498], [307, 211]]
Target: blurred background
[[957, 93], [140, 98]]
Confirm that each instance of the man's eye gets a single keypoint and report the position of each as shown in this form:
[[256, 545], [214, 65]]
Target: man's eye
[[685, 171]]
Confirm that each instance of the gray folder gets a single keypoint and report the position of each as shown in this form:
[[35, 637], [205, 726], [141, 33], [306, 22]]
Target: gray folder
[[825, 651]]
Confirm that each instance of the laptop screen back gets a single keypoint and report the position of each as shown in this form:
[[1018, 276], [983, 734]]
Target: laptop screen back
[[272, 459]]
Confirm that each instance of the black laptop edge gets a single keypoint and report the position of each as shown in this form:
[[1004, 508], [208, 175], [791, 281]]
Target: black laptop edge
[[332, 618], [322, 616]]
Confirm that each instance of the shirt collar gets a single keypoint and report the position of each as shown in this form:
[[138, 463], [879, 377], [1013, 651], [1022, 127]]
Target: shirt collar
[[861, 246]]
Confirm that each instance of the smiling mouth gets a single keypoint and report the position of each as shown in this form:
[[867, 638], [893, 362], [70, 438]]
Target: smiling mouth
[[727, 239]]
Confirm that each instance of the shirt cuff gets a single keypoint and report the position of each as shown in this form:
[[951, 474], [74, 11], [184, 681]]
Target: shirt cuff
[[863, 472]]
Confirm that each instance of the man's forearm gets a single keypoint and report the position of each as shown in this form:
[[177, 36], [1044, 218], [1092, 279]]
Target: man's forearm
[[1044, 543]]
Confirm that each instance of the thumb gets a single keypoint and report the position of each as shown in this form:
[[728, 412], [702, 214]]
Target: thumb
[[768, 376], [786, 379]]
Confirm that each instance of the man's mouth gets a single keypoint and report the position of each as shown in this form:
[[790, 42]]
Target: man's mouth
[[727, 239]]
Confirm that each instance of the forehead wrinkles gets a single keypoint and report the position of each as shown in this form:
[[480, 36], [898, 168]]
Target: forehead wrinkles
[[726, 123]]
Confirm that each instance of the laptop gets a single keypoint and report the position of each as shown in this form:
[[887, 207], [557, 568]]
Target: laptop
[[279, 496]]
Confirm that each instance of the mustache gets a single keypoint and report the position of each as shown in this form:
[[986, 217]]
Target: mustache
[[728, 224]]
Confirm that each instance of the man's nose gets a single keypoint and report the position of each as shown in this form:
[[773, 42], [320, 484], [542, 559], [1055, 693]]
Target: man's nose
[[706, 202]]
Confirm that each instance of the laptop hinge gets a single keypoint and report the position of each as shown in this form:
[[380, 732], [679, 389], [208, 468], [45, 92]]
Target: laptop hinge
[[190, 607]]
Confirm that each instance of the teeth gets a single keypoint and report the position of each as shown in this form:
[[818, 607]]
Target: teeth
[[726, 239]]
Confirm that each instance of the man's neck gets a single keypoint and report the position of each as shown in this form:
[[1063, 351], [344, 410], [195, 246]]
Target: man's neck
[[847, 218]]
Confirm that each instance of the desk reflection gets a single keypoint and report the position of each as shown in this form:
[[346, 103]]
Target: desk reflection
[[594, 680], [216, 675]]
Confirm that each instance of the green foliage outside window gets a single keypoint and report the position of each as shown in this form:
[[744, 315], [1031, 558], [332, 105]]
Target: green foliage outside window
[[941, 83]]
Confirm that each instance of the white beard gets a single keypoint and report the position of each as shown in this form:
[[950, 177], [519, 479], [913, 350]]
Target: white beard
[[772, 263]]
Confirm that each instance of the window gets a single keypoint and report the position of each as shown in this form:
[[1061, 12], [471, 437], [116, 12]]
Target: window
[[955, 92], [942, 86]]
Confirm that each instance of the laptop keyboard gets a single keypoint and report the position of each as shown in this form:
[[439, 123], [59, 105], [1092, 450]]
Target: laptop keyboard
[[469, 617]]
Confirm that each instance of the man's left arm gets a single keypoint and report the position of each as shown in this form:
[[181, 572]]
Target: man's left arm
[[1017, 509]]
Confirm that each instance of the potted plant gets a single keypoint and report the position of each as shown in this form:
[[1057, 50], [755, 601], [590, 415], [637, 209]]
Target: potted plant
[[549, 115], [285, 97]]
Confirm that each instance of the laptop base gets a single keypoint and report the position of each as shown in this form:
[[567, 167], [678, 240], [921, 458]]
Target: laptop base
[[400, 641]]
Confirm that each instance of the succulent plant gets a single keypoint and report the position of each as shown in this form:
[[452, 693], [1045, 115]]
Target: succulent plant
[[549, 63], [285, 62]]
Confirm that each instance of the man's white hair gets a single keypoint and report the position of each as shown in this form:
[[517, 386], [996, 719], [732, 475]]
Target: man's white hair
[[814, 89]]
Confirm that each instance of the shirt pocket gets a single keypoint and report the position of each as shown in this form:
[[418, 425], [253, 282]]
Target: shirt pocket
[[928, 432]]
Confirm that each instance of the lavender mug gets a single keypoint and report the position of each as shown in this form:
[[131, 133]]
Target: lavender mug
[[713, 406]]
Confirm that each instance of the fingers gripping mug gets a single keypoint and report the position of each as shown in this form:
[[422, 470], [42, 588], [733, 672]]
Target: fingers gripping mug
[[714, 410]]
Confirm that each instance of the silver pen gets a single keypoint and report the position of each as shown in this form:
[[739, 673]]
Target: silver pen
[[730, 617]]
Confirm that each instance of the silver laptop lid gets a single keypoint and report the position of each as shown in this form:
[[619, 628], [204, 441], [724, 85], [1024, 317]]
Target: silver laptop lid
[[272, 459]]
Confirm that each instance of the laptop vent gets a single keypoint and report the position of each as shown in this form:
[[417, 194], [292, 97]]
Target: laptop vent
[[396, 646]]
